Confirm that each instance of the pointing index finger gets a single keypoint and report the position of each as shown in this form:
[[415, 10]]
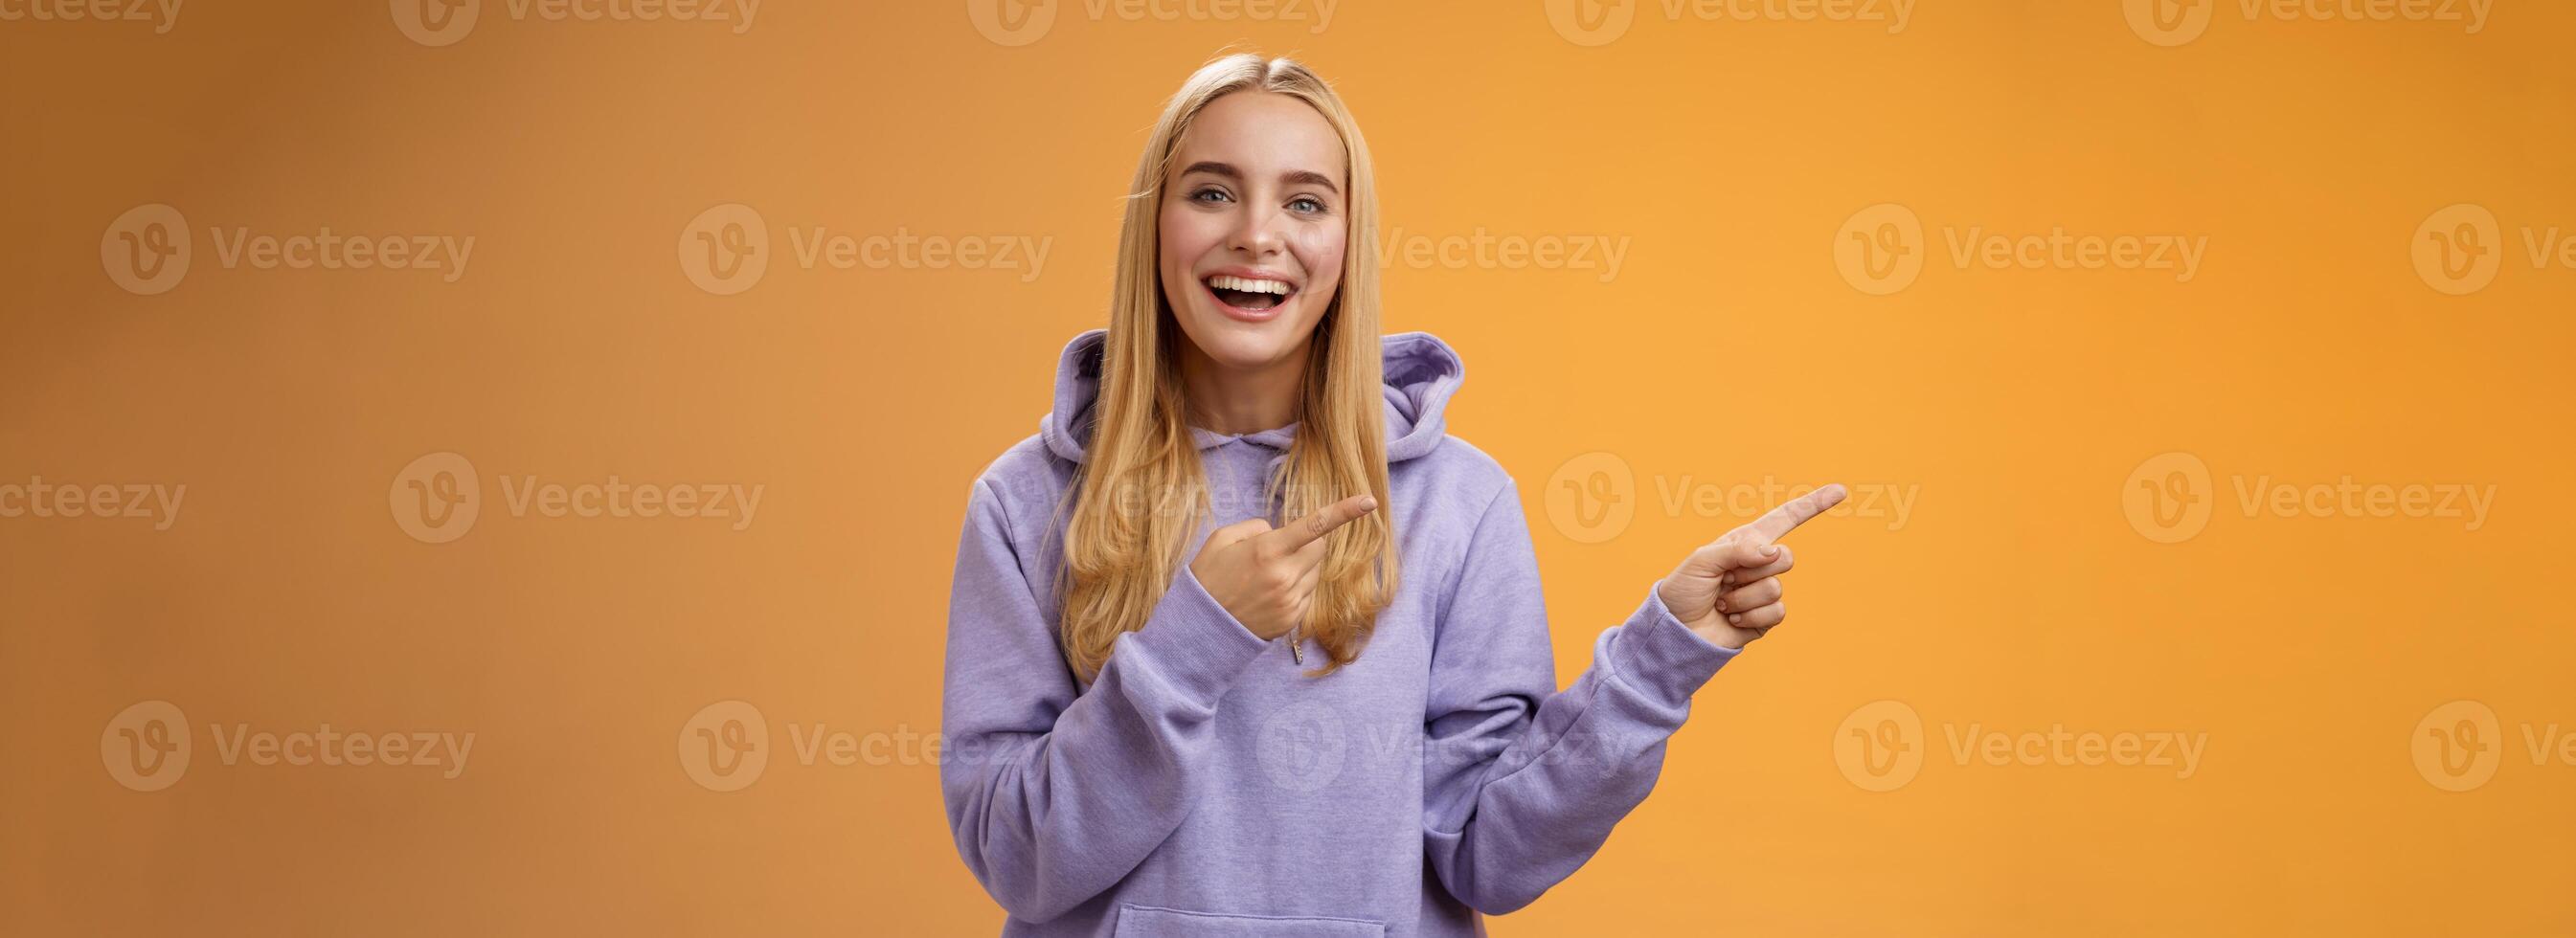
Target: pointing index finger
[[1780, 521], [1312, 528]]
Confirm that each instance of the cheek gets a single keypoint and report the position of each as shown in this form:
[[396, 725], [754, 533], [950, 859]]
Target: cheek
[[1185, 236], [1319, 251]]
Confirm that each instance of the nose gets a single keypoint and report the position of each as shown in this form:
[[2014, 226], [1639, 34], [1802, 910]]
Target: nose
[[1256, 232]]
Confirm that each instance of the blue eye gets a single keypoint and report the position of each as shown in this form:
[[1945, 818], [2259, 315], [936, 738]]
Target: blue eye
[[1307, 204]]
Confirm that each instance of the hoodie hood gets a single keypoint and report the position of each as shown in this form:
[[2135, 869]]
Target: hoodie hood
[[1421, 374]]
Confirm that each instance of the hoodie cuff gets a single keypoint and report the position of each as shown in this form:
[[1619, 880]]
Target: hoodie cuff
[[1660, 656], [1194, 643]]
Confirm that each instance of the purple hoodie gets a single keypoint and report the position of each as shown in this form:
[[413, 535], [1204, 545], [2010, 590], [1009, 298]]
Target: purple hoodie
[[1203, 785]]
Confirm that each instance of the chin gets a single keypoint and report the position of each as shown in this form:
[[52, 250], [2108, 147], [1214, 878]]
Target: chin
[[1244, 345]]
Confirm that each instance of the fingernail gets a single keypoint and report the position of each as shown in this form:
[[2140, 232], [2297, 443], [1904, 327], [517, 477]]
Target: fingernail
[[1369, 503], [1770, 550], [1733, 619]]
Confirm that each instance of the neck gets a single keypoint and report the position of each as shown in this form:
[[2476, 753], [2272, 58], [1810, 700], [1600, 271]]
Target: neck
[[1234, 400]]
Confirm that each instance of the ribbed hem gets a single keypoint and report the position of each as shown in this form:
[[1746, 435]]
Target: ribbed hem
[[1663, 658], [1195, 644]]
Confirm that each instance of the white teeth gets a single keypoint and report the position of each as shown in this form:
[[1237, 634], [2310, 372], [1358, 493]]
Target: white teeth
[[1245, 285]]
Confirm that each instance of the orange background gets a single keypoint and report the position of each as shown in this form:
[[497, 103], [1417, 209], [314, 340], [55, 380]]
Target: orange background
[[1727, 349]]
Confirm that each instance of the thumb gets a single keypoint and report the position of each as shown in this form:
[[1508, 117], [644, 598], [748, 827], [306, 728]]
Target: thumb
[[1714, 559], [1744, 554]]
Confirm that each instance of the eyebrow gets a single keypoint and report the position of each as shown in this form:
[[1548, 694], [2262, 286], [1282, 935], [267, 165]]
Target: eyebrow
[[1292, 177]]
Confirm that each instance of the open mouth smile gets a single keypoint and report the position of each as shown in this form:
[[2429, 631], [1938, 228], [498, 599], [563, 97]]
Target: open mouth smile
[[1249, 298]]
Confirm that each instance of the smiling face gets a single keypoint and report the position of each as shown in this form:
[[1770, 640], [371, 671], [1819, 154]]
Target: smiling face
[[1253, 226]]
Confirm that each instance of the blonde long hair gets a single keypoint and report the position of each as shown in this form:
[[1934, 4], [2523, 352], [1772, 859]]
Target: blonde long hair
[[1120, 560]]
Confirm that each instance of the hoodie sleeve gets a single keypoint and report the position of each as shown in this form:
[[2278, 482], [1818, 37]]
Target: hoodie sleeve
[[1523, 782], [1056, 793]]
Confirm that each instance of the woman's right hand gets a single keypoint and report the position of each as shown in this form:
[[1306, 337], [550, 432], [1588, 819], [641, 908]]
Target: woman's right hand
[[1266, 577], [1729, 590]]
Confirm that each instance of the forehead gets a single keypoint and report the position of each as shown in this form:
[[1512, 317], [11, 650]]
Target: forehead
[[1262, 133]]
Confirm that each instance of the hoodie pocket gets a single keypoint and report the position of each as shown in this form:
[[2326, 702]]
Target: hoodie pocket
[[1145, 921]]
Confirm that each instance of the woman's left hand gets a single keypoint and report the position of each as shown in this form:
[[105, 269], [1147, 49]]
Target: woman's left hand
[[1729, 590]]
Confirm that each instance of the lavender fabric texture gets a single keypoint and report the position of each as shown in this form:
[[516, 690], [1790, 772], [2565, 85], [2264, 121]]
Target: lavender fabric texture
[[1204, 785]]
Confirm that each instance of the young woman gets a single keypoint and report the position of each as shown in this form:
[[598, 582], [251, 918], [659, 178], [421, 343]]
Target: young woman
[[1166, 716]]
